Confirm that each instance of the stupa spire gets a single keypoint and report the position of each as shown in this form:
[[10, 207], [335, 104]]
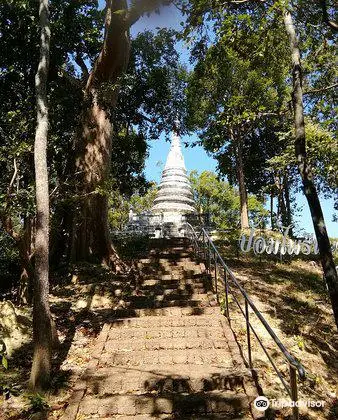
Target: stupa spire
[[174, 196]]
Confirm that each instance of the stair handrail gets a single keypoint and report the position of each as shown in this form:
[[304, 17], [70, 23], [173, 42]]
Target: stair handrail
[[294, 365]]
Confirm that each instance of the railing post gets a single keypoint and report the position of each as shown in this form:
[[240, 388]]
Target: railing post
[[200, 251], [216, 286], [248, 332], [204, 250], [226, 294], [294, 392], [209, 262]]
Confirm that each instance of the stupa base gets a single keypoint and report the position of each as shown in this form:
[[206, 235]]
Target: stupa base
[[169, 225]]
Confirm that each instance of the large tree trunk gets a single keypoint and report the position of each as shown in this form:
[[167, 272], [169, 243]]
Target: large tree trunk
[[23, 242], [90, 231], [91, 239], [310, 191], [243, 195], [283, 204], [288, 215], [90, 234], [42, 321], [272, 222]]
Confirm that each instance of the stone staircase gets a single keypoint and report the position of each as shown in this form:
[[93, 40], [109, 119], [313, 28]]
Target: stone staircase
[[170, 354]]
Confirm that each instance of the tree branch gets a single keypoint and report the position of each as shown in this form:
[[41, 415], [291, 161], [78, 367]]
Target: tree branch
[[245, 1], [73, 80], [140, 7], [10, 187], [80, 62], [5, 219], [333, 25], [309, 92]]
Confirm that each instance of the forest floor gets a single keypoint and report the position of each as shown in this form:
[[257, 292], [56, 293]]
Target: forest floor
[[74, 300], [291, 296]]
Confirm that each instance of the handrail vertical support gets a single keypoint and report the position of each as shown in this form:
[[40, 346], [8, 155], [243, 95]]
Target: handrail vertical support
[[209, 256], [248, 332], [294, 392], [226, 295], [216, 285], [204, 249]]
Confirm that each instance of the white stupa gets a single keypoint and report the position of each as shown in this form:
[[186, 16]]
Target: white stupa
[[174, 198]]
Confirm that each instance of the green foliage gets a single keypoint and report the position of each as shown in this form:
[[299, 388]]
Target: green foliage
[[130, 248], [241, 81], [322, 150], [221, 200], [153, 88], [235, 99], [151, 93], [139, 202], [37, 403], [9, 263], [222, 302], [300, 342], [4, 361]]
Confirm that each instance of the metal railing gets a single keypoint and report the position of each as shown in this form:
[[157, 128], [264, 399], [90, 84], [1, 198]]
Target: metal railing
[[204, 245]]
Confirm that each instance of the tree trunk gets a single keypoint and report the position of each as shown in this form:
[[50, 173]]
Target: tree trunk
[[243, 196], [22, 240], [24, 243], [271, 209], [309, 187], [288, 215], [42, 321], [90, 233], [91, 238], [281, 206]]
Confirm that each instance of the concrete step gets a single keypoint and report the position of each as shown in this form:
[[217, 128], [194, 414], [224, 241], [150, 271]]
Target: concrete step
[[165, 290], [174, 280], [163, 312], [171, 255], [166, 357], [167, 259], [175, 274], [187, 276], [168, 295], [172, 283], [172, 277], [172, 266], [148, 304], [179, 342], [162, 323], [167, 337], [213, 404], [173, 379], [198, 281]]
